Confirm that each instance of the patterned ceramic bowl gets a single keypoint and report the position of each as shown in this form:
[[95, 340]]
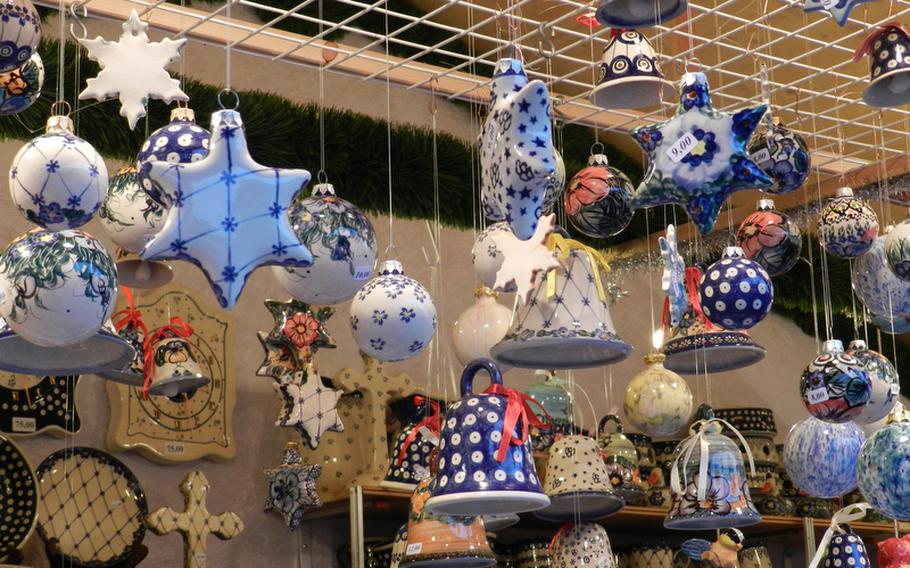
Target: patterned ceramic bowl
[[764, 452], [749, 421]]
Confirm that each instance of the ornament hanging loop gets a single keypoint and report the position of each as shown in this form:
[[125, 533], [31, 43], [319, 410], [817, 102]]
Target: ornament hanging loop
[[232, 93], [61, 108], [322, 177], [597, 148], [77, 21]]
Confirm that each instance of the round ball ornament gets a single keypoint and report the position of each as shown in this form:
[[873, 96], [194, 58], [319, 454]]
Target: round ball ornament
[[885, 381], [58, 180], [128, 214], [658, 402], [835, 386], [480, 327], [882, 466], [885, 295], [847, 226], [486, 256], [821, 457], [343, 244], [770, 238], [598, 200], [392, 317], [20, 32], [56, 288], [21, 87], [180, 141], [897, 250], [783, 155], [735, 292]]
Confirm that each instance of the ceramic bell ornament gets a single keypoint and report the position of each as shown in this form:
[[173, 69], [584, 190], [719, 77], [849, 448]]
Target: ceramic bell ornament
[[582, 545], [839, 546], [710, 482], [171, 365], [847, 226], [770, 238], [783, 155], [413, 448], [566, 324], [577, 482], [485, 462], [621, 458], [392, 317], [821, 457], [180, 141], [630, 74], [343, 244], [886, 296], [657, 401], [632, 14], [886, 386], [735, 292], [480, 327], [21, 87], [835, 386], [131, 328], [598, 199], [888, 48], [881, 466]]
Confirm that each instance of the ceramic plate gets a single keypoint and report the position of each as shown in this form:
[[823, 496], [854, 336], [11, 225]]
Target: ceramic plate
[[18, 502], [92, 505]]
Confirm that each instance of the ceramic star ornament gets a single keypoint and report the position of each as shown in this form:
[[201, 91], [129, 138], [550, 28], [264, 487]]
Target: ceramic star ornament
[[522, 260], [228, 214], [133, 69], [673, 280], [299, 332], [309, 405], [699, 157], [292, 487], [839, 10], [517, 159]]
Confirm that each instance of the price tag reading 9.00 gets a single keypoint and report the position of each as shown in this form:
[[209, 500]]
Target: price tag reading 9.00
[[681, 148]]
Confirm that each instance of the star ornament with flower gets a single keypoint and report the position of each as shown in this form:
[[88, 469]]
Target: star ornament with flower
[[309, 406], [299, 332], [228, 214], [699, 157], [292, 487], [133, 69]]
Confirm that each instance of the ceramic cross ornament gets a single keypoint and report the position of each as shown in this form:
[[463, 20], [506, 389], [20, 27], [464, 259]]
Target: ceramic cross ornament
[[522, 260], [292, 487], [698, 158], [229, 214], [309, 405], [517, 158], [133, 69], [839, 10], [195, 522]]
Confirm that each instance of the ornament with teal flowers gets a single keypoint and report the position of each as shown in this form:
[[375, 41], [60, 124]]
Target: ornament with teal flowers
[[699, 157]]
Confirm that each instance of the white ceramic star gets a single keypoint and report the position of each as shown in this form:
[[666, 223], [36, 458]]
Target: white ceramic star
[[522, 260], [309, 406], [228, 214], [133, 69], [673, 280]]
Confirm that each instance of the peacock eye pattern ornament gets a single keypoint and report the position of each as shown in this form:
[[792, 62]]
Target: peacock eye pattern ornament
[[181, 141], [735, 292]]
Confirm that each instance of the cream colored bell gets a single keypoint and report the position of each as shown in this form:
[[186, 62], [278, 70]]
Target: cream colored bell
[[629, 75], [174, 368], [143, 274]]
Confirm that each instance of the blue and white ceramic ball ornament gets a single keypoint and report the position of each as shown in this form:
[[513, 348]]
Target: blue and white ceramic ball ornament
[[180, 141], [885, 295], [486, 256], [21, 87], [392, 317], [20, 32], [128, 214], [847, 226], [735, 292], [57, 288], [58, 180], [821, 457], [897, 249], [835, 386], [342, 242], [783, 155], [886, 386], [882, 467]]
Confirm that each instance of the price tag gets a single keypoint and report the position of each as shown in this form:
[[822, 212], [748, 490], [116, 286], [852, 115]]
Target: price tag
[[362, 272], [23, 424], [681, 148], [763, 155], [895, 388], [200, 558], [818, 395], [174, 449], [431, 437], [414, 548]]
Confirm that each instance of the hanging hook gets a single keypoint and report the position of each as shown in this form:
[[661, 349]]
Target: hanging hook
[[77, 20], [546, 33]]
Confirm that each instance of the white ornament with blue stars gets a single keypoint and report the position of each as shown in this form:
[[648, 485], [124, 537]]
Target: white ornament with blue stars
[[58, 180], [517, 160], [839, 10], [228, 214]]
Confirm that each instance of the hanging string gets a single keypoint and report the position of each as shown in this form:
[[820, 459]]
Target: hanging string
[[388, 117], [321, 172], [228, 49], [61, 55]]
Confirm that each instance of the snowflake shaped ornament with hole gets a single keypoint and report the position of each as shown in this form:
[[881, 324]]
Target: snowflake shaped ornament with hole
[[308, 405], [133, 69], [228, 214], [839, 10], [698, 158], [522, 260], [517, 158], [673, 281]]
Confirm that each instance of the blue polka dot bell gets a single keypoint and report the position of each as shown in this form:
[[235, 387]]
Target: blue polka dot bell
[[735, 292]]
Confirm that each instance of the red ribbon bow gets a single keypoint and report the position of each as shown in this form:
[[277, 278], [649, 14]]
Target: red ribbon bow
[[432, 422], [175, 328], [692, 280], [566, 526], [518, 413], [866, 46], [129, 315]]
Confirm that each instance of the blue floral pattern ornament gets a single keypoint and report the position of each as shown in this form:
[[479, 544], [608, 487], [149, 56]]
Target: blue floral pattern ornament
[[181, 141], [882, 467], [735, 292], [783, 155], [835, 386], [393, 317], [487, 257], [20, 32], [886, 384], [897, 250], [228, 214], [847, 226], [698, 157], [21, 87], [58, 180], [839, 10], [517, 159], [128, 214], [821, 457]]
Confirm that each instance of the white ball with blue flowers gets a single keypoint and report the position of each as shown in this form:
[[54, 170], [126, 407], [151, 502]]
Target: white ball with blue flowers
[[392, 317], [735, 292]]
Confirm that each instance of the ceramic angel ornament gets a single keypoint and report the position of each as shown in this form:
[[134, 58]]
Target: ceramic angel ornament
[[133, 69]]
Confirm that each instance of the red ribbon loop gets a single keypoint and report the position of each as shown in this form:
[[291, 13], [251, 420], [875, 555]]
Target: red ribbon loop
[[432, 422], [518, 414], [176, 327], [566, 526], [866, 46], [692, 280], [129, 315]]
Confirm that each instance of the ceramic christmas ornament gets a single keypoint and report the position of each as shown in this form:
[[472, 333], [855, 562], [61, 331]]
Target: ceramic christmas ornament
[[770, 238], [524, 260], [886, 296], [839, 10], [598, 199], [130, 326], [835, 387], [821, 457], [630, 74], [480, 327], [228, 214], [888, 47], [847, 226], [517, 158], [840, 546], [582, 545], [308, 405], [897, 249], [556, 185], [171, 365], [783, 155], [180, 141], [722, 553], [487, 257], [20, 32], [881, 465], [18, 501], [621, 458], [343, 244], [102, 352], [133, 69], [886, 386], [673, 277], [895, 324], [412, 451], [894, 552], [299, 332], [657, 401], [58, 180], [735, 292], [566, 323], [21, 87], [292, 487], [577, 482], [698, 157], [393, 317], [631, 14], [556, 409], [485, 462]]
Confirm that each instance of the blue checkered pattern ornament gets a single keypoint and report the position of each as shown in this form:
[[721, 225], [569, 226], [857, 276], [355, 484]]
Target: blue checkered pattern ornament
[[228, 214]]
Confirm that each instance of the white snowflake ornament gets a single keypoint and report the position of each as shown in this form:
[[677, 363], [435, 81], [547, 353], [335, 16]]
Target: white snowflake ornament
[[522, 260], [133, 69]]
